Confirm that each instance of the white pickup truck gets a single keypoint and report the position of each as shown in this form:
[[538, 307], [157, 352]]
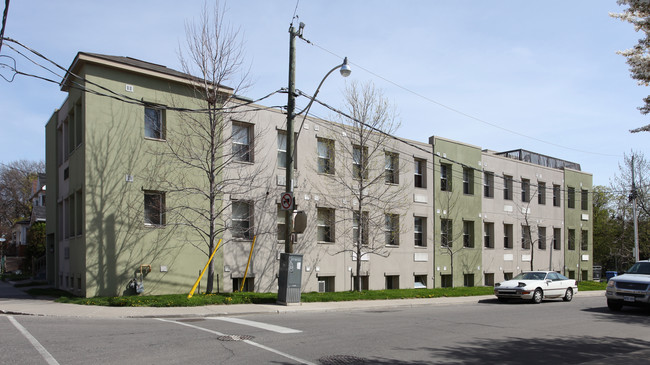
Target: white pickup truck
[[631, 288]]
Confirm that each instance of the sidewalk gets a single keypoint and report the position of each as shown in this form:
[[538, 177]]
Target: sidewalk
[[16, 301]]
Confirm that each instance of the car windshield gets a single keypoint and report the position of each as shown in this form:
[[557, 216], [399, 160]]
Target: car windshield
[[640, 268], [530, 276]]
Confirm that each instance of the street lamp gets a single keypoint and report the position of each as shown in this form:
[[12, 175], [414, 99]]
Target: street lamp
[[290, 264]]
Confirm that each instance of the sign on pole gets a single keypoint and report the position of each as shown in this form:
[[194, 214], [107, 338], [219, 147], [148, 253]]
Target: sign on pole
[[286, 201]]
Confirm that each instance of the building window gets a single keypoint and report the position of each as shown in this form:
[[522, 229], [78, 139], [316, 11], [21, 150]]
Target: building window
[[325, 151], [541, 193], [445, 177], [584, 200], [154, 124], [249, 285], [468, 279], [391, 171], [391, 229], [392, 281], [488, 235], [572, 239], [525, 190], [488, 184], [488, 279], [525, 237], [572, 274], [419, 229], [356, 221], [326, 284], [359, 162], [154, 208], [468, 234], [557, 238], [507, 236], [79, 212], [507, 276], [468, 181], [445, 232], [419, 178], [556, 195], [571, 197], [541, 238], [420, 281], [282, 149], [507, 187], [242, 219], [584, 240], [281, 223], [325, 223], [446, 281], [242, 142]]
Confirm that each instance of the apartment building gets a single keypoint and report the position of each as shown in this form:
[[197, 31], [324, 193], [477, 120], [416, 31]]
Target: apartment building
[[396, 214]]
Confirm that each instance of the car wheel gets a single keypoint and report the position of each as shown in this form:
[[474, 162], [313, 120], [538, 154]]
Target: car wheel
[[538, 295], [568, 295], [502, 300], [614, 305]]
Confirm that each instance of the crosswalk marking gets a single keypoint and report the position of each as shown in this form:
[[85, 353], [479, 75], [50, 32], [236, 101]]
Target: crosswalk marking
[[264, 326]]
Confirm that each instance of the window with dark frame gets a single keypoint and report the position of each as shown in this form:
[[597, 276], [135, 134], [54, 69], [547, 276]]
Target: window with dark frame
[[391, 229], [571, 197], [507, 187], [468, 234], [488, 235], [525, 190], [242, 142], [557, 238], [325, 151], [445, 177], [325, 225], [541, 238], [584, 240], [154, 123], [242, 219], [391, 172], [419, 224], [360, 221], [556, 195], [571, 233], [541, 193], [446, 232], [507, 235], [468, 181], [359, 162], [488, 184], [584, 199], [419, 177], [282, 149], [154, 208], [525, 237]]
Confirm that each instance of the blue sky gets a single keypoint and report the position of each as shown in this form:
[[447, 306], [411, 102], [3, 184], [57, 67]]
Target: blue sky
[[502, 75]]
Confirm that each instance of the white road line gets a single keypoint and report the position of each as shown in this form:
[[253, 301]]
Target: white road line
[[296, 359], [264, 326], [37, 345]]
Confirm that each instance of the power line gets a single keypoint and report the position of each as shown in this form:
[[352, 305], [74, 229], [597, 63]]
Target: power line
[[461, 112]]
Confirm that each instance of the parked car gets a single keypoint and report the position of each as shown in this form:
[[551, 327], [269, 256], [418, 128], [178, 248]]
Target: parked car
[[632, 288], [535, 286]]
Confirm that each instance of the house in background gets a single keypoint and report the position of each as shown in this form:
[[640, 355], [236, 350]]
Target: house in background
[[459, 215]]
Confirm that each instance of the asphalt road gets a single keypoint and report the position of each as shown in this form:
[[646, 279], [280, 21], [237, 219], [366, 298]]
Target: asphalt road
[[485, 332]]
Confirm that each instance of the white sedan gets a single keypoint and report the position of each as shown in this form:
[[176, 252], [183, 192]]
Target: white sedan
[[535, 286]]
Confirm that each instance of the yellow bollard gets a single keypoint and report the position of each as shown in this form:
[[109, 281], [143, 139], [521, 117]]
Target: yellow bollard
[[248, 264], [203, 272]]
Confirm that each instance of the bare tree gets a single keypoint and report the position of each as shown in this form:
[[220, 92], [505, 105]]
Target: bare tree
[[15, 190], [451, 240], [363, 165], [206, 143]]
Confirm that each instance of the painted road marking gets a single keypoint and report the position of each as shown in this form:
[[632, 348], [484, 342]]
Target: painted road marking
[[37, 345], [252, 343], [264, 326]]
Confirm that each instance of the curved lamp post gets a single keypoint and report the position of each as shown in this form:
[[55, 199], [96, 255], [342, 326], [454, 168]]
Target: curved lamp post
[[290, 275]]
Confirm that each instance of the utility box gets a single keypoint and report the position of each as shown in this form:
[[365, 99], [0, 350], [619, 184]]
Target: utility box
[[290, 279]]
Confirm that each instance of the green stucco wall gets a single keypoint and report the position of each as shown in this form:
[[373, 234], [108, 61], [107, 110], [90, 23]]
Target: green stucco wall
[[579, 220]]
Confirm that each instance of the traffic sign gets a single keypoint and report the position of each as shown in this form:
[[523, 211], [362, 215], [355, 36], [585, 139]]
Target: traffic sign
[[286, 201]]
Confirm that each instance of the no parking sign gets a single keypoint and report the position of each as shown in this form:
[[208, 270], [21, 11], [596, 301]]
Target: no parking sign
[[286, 201]]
